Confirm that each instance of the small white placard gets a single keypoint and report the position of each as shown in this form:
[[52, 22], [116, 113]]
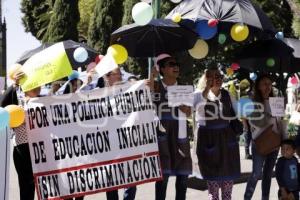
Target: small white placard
[[277, 106], [180, 95]]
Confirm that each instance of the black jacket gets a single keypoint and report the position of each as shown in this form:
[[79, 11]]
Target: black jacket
[[9, 97]]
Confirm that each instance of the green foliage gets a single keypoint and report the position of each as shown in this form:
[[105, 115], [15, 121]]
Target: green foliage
[[107, 18], [36, 16], [296, 26], [296, 20], [127, 6], [166, 7], [63, 23], [86, 8], [280, 14]]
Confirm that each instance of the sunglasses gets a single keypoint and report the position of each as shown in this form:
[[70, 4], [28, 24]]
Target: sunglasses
[[172, 64]]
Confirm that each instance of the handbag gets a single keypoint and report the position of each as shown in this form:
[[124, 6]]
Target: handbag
[[268, 141]]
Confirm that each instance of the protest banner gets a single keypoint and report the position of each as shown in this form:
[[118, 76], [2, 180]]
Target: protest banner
[[46, 66], [93, 141]]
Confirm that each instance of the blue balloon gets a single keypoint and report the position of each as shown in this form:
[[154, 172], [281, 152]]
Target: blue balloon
[[245, 107], [74, 75], [4, 118], [279, 35], [253, 76], [204, 31], [80, 54]]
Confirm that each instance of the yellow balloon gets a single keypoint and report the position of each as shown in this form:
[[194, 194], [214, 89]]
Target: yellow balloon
[[118, 52], [239, 32], [16, 115], [13, 70], [229, 72], [200, 49], [176, 17]]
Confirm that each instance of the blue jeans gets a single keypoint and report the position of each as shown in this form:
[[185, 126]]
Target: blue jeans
[[181, 187], [247, 136], [262, 167]]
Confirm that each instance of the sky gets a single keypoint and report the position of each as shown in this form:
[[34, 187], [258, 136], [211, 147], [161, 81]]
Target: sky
[[17, 40]]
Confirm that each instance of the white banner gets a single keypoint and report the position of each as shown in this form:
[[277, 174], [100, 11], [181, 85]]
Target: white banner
[[94, 141]]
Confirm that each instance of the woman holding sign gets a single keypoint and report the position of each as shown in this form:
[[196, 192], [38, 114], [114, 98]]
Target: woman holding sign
[[260, 120], [217, 144], [174, 147]]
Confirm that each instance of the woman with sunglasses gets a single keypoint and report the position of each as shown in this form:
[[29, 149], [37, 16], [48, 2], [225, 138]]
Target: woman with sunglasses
[[217, 145], [174, 151]]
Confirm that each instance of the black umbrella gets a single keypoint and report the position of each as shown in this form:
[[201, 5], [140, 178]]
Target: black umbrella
[[27, 54], [226, 12], [159, 36], [69, 46], [272, 55]]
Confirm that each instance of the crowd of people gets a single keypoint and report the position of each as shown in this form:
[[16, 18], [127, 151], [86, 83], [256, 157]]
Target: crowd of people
[[215, 127]]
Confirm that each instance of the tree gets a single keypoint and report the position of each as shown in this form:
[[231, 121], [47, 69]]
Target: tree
[[36, 16], [86, 8], [134, 65], [107, 17], [295, 7], [279, 11], [63, 23]]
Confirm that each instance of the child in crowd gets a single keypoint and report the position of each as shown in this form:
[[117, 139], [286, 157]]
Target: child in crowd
[[287, 172]]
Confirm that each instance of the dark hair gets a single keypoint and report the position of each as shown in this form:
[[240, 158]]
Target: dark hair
[[100, 83], [257, 96], [289, 142], [162, 63]]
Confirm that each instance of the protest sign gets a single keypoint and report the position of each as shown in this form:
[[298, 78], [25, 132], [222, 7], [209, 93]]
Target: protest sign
[[277, 106], [180, 95], [46, 66], [94, 141]]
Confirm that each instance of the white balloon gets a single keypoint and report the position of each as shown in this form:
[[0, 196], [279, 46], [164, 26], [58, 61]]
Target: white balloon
[[176, 1], [80, 54], [142, 13]]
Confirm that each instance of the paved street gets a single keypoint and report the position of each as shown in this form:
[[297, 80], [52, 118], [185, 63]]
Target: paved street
[[146, 191]]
